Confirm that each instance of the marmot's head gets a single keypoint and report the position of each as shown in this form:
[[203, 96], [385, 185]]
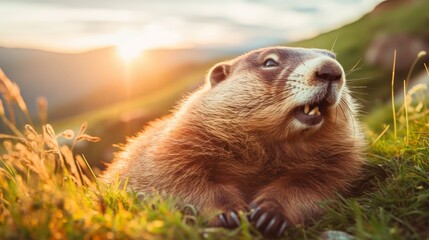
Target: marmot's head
[[279, 90]]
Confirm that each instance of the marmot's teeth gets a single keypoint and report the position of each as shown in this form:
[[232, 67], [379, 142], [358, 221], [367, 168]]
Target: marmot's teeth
[[314, 111], [306, 108], [317, 112]]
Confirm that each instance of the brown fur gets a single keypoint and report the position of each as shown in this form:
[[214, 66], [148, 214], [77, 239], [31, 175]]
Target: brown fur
[[232, 146]]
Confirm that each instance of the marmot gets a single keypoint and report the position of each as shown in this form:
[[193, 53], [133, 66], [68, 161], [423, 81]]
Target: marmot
[[272, 132]]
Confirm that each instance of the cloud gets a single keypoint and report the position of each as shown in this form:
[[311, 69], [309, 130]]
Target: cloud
[[79, 25]]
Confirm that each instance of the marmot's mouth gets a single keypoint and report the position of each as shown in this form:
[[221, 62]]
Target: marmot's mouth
[[312, 113]]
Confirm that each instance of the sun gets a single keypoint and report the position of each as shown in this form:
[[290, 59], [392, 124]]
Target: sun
[[131, 44], [129, 51]]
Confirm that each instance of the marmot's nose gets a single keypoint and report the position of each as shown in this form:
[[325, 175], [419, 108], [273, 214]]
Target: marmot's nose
[[329, 71]]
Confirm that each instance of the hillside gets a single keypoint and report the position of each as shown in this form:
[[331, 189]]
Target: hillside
[[370, 83]]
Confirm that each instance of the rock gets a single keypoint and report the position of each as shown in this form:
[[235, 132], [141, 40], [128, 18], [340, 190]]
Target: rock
[[335, 235], [381, 49]]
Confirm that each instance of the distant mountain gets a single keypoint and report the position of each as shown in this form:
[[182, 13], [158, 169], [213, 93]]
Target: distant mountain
[[74, 83], [61, 78]]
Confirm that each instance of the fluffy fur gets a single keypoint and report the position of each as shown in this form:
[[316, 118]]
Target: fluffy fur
[[235, 144]]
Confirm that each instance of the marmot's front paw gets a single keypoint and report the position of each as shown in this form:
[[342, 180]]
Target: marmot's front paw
[[267, 216]]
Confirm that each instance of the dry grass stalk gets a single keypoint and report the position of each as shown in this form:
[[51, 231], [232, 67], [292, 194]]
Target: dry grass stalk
[[39, 154], [42, 104], [393, 94]]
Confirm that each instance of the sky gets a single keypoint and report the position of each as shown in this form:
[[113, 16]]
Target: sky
[[80, 25]]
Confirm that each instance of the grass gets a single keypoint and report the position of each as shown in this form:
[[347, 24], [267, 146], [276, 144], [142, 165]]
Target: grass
[[48, 192]]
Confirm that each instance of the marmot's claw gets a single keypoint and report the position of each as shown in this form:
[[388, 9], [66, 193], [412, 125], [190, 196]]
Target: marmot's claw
[[222, 219], [282, 228], [261, 220], [234, 217], [254, 213], [229, 220], [270, 225], [268, 218]]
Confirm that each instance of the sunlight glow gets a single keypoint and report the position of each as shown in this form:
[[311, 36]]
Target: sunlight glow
[[129, 50], [131, 44]]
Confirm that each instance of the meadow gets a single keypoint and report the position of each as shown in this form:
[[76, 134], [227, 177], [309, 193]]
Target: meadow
[[49, 192]]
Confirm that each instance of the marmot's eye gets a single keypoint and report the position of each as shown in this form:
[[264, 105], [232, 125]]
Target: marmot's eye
[[270, 63]]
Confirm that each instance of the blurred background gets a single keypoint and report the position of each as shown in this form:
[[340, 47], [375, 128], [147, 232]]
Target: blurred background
[[120, 64]]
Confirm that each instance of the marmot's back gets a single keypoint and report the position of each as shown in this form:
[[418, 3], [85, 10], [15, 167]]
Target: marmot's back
[[273, 130]]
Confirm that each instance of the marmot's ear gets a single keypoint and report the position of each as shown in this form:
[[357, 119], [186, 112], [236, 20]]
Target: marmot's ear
[[219, 73]]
